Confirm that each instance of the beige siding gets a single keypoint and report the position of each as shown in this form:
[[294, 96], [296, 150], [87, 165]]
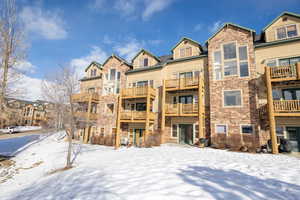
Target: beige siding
[[185, 44], [270, 32], [88, 72], [151, 61]]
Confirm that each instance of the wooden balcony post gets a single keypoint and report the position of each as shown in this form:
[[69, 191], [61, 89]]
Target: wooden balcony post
[[271, 112], [163, 109], [87, 132], [298, 70], [201, 109], [117, 143], [147, 115]]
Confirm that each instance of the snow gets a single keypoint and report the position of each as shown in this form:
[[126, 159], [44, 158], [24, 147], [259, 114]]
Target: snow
[[22, 129], [158, 173]]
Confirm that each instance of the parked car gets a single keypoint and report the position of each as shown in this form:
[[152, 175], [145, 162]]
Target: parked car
[[12, 129]]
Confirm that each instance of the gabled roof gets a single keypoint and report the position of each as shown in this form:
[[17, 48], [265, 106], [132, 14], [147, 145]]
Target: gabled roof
[[117, 57], [188, 39], [231, 24], [284, 13], [143, 50], [98, 65]]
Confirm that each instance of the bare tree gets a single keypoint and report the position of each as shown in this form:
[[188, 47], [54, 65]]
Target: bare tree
[[12, 47], [58, 89]]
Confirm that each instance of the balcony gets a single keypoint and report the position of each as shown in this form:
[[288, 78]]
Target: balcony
[[181, 109], [85, 97], [84, 115], [286, 107], [136, 116], [138, 92], [182, 83], [285, 73]]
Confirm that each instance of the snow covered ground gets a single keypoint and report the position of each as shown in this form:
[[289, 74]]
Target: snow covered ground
[[159, 173], [22, 128]]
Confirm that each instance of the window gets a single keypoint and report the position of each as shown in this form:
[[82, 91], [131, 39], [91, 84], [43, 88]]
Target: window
[[230, 68], [230, 62], [118, 75], [276, 94], [243, 57], [145, 62], [186, 74], [217, 65], [110, 108], [221, 129], [287, 32], [279, 131], [174, 99], [182, 52], [102, 132], [229, 51], [188, 51], [112, 74], [142, 83], [288, 61], [141, 106], [291, 31], [291, 94], [196, 131], [271, 63], [281, 34], [232, 98], [248, 129], [186, 99], [91, 90], [93, 72], [174, 130]]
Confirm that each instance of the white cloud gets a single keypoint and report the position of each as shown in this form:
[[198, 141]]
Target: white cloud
[[25, 66], [198, 27], [153, 6], [48, 24], [96, 54], [32, 87], [132, 8], [129, 50], [216, 25]]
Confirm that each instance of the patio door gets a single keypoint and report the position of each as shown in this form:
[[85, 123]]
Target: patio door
[[138, 137], [293, 135], [186, 134]]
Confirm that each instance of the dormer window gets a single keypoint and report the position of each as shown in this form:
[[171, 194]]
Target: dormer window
[[287, 32], [185, 52], [93, 72], [146, 62]]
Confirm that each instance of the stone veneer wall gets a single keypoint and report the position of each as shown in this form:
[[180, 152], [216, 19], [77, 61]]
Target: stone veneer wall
[[233, 117]]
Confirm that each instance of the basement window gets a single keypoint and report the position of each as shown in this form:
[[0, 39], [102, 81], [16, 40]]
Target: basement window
[[221, 128]]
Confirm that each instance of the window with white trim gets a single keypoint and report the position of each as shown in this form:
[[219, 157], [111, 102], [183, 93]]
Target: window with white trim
[[221, 129], [230, 59], [232, 98], [287, 31], [217, 65], [243, 58], [247, 129]]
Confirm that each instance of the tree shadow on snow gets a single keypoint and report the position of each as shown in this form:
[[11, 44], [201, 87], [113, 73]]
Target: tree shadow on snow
[[235, 185]]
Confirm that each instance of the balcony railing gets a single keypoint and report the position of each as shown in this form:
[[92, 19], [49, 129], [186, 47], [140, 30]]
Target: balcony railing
[[136, 115], [289, 72], [182, 83], [138, 92], [85, 97], [288, 106], [181, 109], [84, 115]]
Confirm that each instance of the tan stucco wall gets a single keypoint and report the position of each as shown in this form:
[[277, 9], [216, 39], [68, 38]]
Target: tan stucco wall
[[85, 85], [270, 32], [142, 55], [184, 44]]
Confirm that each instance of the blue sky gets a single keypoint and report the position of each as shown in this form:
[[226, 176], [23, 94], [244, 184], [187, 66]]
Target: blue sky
[[77, 32]]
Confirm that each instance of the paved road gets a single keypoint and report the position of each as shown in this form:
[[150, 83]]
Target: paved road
[[15, 135]]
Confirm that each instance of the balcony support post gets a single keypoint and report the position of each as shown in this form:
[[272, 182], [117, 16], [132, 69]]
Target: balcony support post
[[147, 117], [87, 131], [298, 70], [163, 110], [201, 112], [271, 111], [118, 125]]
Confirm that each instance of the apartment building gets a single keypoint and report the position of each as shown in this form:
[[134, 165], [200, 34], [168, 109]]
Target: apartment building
[[236, 90]]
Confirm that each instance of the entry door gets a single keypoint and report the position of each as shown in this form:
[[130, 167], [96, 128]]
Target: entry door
[[186, 134], [293, 135]]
